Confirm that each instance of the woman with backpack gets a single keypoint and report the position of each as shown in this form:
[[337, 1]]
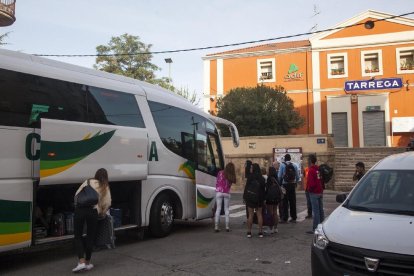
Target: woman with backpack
[[89, 215], [273, 197], [225, 179], [253, 196]]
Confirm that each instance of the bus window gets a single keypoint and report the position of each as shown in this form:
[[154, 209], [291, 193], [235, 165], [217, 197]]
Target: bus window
[[202, 152], [176, 128], [215, 160], [16, 100], [26, 98], [187, 145], [113, 108]]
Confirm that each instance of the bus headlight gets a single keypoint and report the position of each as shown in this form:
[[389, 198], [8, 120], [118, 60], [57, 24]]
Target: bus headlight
[[319, 239]]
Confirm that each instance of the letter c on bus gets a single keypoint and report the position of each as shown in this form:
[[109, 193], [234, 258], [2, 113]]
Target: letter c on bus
[[29, 143]]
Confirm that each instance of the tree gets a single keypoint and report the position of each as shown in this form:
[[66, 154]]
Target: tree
[[126, 55], [2, 37], [259, 110], [192, 97]]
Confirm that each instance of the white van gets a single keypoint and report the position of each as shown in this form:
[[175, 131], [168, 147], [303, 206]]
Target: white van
[[372, 231]]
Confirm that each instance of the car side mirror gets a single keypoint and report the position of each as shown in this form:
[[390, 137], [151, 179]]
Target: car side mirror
[[341, 197]]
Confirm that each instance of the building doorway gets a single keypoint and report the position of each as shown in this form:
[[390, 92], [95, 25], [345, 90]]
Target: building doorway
[[340, 129], [374, 128]]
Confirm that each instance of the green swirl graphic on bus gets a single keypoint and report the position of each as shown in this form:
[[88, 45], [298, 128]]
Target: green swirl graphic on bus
[[202, 201], [188, 169], [56, 157]]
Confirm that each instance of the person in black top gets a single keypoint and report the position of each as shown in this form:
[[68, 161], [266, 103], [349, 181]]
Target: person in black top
[[272, 201], [248, 167], [256, 178], [359, 171]]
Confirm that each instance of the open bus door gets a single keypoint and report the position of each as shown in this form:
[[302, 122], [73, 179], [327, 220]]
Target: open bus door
[[71, 152], [206, 182]]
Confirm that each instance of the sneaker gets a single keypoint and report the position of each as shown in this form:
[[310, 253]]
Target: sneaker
[[249, 234], [292, 220], [79, 267], [216, 230], [275, 230], [89, 266], [227, 229], [260, 235]]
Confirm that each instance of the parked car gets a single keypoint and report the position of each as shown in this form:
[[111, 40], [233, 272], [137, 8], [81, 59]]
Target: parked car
[[372, 231]]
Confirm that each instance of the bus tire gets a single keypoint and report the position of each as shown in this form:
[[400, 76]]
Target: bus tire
[[161, 216]]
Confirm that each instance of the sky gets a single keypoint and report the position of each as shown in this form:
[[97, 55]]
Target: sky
[[78, 26]]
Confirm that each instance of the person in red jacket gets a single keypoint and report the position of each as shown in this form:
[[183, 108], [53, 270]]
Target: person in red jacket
[[315, 189]]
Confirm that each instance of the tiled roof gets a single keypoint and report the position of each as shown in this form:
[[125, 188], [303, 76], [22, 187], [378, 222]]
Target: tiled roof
[[267, 47]]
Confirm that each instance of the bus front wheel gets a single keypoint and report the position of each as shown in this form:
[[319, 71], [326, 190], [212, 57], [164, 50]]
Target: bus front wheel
[[162, 216]]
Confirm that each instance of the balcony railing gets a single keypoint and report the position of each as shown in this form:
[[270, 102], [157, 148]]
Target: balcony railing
[[7, 8]]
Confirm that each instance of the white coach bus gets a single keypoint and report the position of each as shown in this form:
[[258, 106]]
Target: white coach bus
[[59, 123]]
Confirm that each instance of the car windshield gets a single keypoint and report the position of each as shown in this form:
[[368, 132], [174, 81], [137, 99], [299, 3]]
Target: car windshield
[[384, 191]]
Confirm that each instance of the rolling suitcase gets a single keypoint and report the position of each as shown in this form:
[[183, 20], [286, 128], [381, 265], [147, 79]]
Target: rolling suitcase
[[105, 236]]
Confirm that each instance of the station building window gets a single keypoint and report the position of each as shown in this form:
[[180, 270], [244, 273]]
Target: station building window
[[405, 60], [371, 63], [337, 65], [266, 71]]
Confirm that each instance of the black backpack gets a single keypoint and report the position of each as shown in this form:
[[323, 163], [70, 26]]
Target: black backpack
[[290, 173], [274, 192], [325, 172], [252, 191]]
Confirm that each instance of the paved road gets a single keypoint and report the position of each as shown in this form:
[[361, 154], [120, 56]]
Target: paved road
[[192, 249]]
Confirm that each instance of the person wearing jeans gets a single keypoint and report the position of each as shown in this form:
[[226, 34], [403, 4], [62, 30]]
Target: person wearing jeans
[[289, 201], [315, 189], [305, 187], [317, 208], [225, 179]]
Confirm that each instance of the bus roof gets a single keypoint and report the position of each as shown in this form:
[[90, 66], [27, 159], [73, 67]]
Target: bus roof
[[30, 64]]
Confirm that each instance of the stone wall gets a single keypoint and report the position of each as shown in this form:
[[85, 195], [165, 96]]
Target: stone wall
[[259, 150], [346, 158], [341, 159]]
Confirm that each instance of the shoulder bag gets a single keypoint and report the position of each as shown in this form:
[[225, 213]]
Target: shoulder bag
[[88, 197]]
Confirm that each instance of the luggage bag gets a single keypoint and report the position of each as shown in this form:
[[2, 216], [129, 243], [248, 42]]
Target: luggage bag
[[105, 235]]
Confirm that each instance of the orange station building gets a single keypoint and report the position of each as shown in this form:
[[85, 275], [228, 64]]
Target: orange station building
[[356, 82]]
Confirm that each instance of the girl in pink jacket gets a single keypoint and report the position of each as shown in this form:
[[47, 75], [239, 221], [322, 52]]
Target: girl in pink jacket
[[225, 179]]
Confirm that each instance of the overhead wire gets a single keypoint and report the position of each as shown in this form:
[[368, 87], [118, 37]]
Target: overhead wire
[[221, 46]]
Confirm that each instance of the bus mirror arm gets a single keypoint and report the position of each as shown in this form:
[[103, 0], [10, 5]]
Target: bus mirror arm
[[232, 128]]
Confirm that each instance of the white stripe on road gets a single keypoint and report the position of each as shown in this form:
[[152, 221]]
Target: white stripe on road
[[233, 207], [238, 214]]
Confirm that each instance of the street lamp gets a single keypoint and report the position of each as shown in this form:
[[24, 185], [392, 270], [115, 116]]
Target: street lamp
[[169, 61]]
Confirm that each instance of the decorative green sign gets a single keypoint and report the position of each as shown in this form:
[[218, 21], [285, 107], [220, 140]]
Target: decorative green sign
[[293, 74]]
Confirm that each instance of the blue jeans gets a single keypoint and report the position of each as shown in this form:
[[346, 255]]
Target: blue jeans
[[308, 204], [317, 209]]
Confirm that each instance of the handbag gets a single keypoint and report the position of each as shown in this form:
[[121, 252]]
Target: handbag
[[88, 197]]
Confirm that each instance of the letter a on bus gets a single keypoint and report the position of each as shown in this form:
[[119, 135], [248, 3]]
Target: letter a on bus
[[153, 152]]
